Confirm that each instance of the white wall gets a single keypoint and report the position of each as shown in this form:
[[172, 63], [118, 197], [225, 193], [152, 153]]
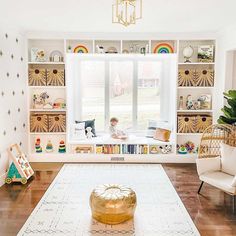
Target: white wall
[[225, 80], [13, 115]]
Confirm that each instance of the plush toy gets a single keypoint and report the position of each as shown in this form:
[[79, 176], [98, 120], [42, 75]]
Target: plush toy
[[189, 103], [166, 149], [89, 132]]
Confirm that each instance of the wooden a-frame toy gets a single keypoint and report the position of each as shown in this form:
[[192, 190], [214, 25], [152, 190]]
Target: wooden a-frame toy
[[20, 169]]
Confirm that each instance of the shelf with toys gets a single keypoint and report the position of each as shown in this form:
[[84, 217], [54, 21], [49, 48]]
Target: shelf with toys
[[47, 96]]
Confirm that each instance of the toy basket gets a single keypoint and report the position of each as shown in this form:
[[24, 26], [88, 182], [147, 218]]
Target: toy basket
[[55, 77], [202, 122], [204, 77], [186, 78], [57, 122], [186, 124], [37, 77], [38, 123]]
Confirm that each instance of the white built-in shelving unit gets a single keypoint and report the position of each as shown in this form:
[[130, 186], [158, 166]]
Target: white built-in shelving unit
[[122, 45]]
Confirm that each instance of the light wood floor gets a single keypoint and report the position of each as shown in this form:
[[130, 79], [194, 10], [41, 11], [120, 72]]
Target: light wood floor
[[211, 211]]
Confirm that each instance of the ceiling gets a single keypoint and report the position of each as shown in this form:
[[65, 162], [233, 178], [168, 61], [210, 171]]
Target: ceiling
[[95, 15]]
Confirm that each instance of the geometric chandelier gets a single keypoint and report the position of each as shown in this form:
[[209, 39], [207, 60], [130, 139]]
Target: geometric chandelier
[[126, 12]]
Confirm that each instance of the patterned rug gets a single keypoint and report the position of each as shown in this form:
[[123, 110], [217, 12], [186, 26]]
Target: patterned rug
[[64, 208]]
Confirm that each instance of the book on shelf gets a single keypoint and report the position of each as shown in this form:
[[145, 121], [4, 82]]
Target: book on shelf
[[206, 53]]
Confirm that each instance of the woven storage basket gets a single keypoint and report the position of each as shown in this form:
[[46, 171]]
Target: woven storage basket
[[186, 77], [57, 122], [37, 77], [204, 77], [38, 123], [202, 122], [55, 77], [186, 124]]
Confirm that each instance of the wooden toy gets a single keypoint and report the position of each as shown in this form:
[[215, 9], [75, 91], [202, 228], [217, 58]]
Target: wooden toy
[[49, 147], [38, 148], [20, 169], [62, 147]]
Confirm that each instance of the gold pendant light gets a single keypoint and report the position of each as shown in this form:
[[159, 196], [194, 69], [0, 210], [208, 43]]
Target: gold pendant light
[[126, 12]]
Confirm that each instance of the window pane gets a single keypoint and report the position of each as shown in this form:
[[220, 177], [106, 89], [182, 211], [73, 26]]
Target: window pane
[[93, 92], [149, 73], [121, 92]]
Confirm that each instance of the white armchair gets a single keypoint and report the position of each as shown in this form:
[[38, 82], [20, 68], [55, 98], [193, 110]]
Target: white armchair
[[216, 164]]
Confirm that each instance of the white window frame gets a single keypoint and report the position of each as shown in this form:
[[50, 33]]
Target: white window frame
[[73, 95]]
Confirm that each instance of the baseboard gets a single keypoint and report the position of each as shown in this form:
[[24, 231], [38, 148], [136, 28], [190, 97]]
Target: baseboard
[[2, 179]]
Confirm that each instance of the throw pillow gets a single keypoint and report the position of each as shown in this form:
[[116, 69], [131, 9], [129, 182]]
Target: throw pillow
[[88, 123], [228, 159], [234, 182]]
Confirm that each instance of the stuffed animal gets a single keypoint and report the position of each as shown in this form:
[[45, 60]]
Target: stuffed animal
[[189, 103], [89, 132]]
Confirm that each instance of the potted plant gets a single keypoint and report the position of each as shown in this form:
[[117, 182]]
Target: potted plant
[[229, 111]]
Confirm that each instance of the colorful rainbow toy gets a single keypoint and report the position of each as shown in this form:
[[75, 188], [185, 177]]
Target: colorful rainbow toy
[[163, 48], [80, 49]]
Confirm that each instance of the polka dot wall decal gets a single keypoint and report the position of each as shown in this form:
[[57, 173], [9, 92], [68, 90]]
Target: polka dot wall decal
[[9, 112], [18, 109], [17, 40], [20, 143], [1, 53], [23, 92], [22, 59], [24, 125], [8, 74], [4, 132], [18, 75], [15, 129], [2, 93], [6, 35], [13, 93], [12, 56]]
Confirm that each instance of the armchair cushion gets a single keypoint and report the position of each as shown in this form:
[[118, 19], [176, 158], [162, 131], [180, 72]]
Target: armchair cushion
[[205, 165], [219, 180], [228, 159], [234, 182]]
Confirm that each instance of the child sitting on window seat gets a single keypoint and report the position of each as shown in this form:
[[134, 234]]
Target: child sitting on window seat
[[116, 133]]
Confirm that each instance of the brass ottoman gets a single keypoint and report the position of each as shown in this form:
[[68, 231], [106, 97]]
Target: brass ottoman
[[112, 203]]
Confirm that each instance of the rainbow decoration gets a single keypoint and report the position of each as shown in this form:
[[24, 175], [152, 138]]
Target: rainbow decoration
[[80, 49], [163, 48]]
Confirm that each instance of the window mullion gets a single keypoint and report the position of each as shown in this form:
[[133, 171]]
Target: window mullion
[[135, 94], [107, 93]]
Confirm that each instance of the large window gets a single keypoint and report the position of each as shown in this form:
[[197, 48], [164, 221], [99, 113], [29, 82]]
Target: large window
[[132, 88]]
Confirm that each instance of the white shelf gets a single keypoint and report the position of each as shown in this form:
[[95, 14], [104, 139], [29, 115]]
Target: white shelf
[[107, 158], [189, 134], [47, 110], [48, 133], [194, 111], [46, 63], [197, 63], [183, 87], [47, 87]]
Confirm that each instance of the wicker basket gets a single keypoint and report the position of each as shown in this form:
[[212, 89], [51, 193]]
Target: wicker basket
[[186, 124], [57, 122], [38, 123], [55, 77], [202, 122], [204, 77], [186, 78], [37, 77]]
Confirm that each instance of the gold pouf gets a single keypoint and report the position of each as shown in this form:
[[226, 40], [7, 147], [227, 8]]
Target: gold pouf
[[112, 203]]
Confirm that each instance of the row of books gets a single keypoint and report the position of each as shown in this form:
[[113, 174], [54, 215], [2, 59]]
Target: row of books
[[108, 149]]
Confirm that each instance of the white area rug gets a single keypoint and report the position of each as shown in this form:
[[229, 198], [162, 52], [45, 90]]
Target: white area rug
[[64, 209]]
